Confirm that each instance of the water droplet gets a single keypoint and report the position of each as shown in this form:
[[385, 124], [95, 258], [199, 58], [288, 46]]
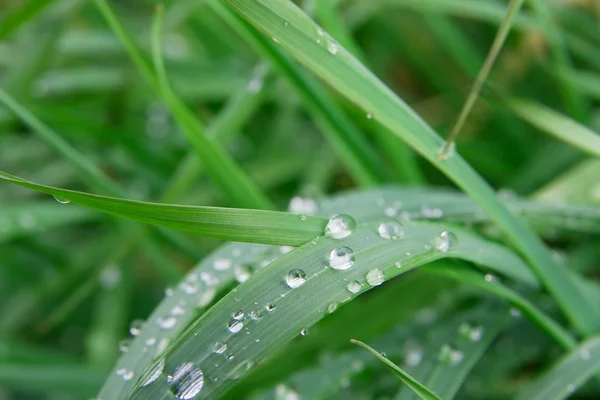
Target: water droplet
[[270, 307], [332, 47], [390, 211], [238, 315], [340, 226], [491, 278], [169, 292], [283, 392], [571, 388], [275, 40], [473, 333], [413, 357], [332, 307], [241, 273], [136, 327], [450, 356], [303, 205], [585, 354], [162, 346], [375, 277], [295, 278], [398, 264], [390, 230], [222, 264], [431, 213], [61, 200], [256, 315], [205, 297], [304, 331], [341, 258], [320, 31], [235, 326], [285, 23], [166, 323], [241, 369], [444, 241], [285, 249], [177, 310], [220, 348], [155, 371], [124, 345], [125, 373], [151, 341], [354, 287], [255, 85], [369, 116], [186, 382], [515, 312]]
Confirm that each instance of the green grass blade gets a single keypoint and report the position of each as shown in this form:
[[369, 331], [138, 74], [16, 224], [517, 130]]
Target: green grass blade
[[555, 124], [347, 75], [419, 389], [570, 372], [513, 10], [578, 185], [225, 223], [17, 16]]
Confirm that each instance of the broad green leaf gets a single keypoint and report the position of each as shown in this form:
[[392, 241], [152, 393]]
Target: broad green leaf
[[556, 124], [565, 377], [419, 389], [297, 34]]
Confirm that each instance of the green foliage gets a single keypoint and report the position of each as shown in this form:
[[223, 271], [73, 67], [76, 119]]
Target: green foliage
[[219, 199]]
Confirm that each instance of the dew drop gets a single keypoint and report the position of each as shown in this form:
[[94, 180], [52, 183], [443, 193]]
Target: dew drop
[[320, 31], [220, 348], [286, 23], [491, 278], [340, 226], [375, 277], [390, 230], [61, 200], [398, 264], [341, 258], [413, 357], [450, 356], [124, 345], [241, 273], [304, 331], [235, 326], [238, 315], [285, 249], [332, 47], [136, 327], [275, 40], [369, 116], [515, 313], [255, 85], [155, 371], [187, 381], [354, 287], [177, 310], [255, 315], [151, 341], [585, 354], [444, 241], [222, 264], [332, 307], [205, 297], [473, 333], [241, 369], [283, 392], [125, 373], [295, 278], [303, 205], [270, 307]]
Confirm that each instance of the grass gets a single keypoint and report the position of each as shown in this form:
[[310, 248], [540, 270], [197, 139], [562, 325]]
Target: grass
[[213, 199]]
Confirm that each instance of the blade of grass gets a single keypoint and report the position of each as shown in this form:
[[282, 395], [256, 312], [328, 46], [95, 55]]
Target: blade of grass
[[418, 388], [21, 14], [556, 124], [571, 371], [513, 9], [347, 75]]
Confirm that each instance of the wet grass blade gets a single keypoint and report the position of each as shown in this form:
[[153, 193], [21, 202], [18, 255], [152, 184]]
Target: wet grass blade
[[419, 389], [298, 35], [570, 372]]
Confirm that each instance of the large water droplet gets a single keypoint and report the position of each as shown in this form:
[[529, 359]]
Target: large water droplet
[[450, 356], [375, 277], [235, 326], [390, 230], [136, 327], [220, 348], [61, 200], [444, 241], [155, 371], [295, 278], [354, 287], [341, 258], [186, 382], [340, 226]]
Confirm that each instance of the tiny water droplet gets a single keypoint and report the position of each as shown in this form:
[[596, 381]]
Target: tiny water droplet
[[220, 348], [320, 31], [295, 278], [340, 226], [255, 315], [124, 345], [332, 47], [341, 258], [125, 373], [166, 323], [303, 205], [275, 40], [156, 370], [241, 369], [473, 333], [304, 331], [332, 307], [241, 273], [444, 241], [235, 326], [375, 277], [450, 356], [238, 315], [515, 312], [222, 264], [177, 310], [585, 354], [61, 200], [354, 287], [390, 230], [286, 23], [398, 264], [136, 327], [270, 307], [491, 278], [285, 249], [369, 116]]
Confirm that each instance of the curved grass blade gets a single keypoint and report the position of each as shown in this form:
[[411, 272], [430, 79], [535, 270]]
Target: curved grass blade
[[573, 370], [266, 300], [579, 185], [556, 124], [29, 218], [270, 227], [419, 389], [342, 71]]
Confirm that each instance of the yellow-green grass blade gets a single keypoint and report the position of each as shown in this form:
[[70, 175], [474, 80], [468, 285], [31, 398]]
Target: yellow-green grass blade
[[417, 388], [298, 35]]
